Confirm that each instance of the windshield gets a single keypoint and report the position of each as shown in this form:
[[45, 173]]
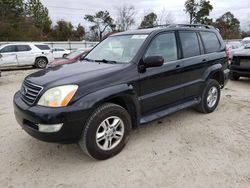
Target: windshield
[[246, 43], [120, 49], [73, 54]]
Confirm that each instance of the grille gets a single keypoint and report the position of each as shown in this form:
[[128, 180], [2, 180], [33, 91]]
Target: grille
[[30, 92], [245, 63]]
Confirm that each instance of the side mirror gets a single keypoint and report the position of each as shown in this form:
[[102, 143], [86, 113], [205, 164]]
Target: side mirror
[[153, 61]]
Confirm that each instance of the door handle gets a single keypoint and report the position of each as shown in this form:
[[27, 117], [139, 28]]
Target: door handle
[[177, 66]]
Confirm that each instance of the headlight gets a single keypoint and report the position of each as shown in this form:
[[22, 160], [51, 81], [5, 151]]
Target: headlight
[[58, 96]]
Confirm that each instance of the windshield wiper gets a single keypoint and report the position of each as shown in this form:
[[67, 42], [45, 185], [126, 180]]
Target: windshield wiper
[[106, 61], [87, 59]]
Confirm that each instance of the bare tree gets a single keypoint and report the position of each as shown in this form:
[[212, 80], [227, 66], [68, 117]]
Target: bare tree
[[165, 17], [126, 17]]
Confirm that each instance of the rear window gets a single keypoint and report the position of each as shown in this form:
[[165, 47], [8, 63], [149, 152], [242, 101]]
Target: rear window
[[43, 47], [211, 42], [23, 48], [190, 44]]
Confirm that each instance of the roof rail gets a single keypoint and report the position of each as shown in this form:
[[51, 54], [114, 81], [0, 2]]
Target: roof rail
[[184, 25]]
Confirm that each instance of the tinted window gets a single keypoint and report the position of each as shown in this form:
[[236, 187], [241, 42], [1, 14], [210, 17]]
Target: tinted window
[[23, 48], [8, 49], [211, 41], [43, 47], [163, 45], [190, 44]]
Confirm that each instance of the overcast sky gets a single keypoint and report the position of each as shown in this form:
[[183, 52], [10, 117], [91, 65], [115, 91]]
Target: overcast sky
[[74, 10]]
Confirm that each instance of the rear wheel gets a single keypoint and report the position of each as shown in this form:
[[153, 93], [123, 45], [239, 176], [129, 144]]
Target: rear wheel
[[106, 131], [210, 97], [41, 62]]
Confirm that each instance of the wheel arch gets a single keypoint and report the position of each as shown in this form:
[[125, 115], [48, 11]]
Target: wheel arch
[[215, 72], [123, 95], [44, 57]]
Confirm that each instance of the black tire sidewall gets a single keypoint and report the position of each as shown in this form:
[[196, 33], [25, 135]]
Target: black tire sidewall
[[211, 83], [90, 131], [37, 64]]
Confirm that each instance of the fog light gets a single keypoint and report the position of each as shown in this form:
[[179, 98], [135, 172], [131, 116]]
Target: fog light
[[49, 128]]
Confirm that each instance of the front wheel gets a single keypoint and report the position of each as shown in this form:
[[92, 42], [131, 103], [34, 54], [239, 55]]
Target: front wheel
[[106, 131], [210, 97]]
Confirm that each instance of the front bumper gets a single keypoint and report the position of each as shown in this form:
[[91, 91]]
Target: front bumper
[[29, 117], [239, 71]]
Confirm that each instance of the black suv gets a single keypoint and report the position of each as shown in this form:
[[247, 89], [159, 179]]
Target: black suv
[[128, 79]]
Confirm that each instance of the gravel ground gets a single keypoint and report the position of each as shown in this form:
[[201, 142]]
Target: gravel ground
[[185, 149]]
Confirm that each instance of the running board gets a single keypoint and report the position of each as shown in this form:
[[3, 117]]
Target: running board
[[160, 114]]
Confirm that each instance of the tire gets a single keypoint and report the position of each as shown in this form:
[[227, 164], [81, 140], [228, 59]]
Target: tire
[[41, 62], [110, 142], [64, 55], [210, 97], [234, 77]]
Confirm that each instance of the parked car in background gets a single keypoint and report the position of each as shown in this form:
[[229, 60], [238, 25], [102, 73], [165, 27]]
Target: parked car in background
[[70, 58], [234, 47], [60, 52], [240, 64], [130, 78], [25, 54], [246, 41]]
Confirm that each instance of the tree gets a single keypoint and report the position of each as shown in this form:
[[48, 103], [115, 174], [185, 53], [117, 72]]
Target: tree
[[229, 26], [150, 20], [102, 21], [39, 14], [126, 17], [198, 11], [62, 31], [79, 33], [164, 18]]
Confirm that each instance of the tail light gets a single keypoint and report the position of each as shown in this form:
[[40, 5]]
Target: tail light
[[227, 55]]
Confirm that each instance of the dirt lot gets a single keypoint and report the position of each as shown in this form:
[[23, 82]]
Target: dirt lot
[[186, 149]]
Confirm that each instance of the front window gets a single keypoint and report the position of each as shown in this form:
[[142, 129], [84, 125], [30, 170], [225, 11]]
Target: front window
[[121, 49]]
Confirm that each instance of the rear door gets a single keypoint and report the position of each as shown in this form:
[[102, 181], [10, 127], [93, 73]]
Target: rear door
[[161, 86], [25, 55], [194, 62], [8, 56]]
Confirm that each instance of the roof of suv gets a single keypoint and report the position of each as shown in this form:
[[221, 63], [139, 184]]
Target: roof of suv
[[167, 28]]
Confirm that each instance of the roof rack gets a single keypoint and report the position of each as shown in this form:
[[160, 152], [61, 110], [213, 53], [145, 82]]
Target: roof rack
[[184, 25]]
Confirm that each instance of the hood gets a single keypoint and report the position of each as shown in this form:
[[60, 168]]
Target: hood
[[73, 73], [242, 52]]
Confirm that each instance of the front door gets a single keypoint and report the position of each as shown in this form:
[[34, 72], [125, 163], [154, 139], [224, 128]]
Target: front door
[[8, 56], [161, 87]]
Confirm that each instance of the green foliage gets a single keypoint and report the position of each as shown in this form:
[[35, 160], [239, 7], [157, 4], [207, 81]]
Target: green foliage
[[29, 20], [101, 22], [198, 11], [64, 31], [229, 26], [39, 14], [149, 20]]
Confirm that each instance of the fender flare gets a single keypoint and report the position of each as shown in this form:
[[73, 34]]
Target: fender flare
[[211, 71], [126, 92]]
